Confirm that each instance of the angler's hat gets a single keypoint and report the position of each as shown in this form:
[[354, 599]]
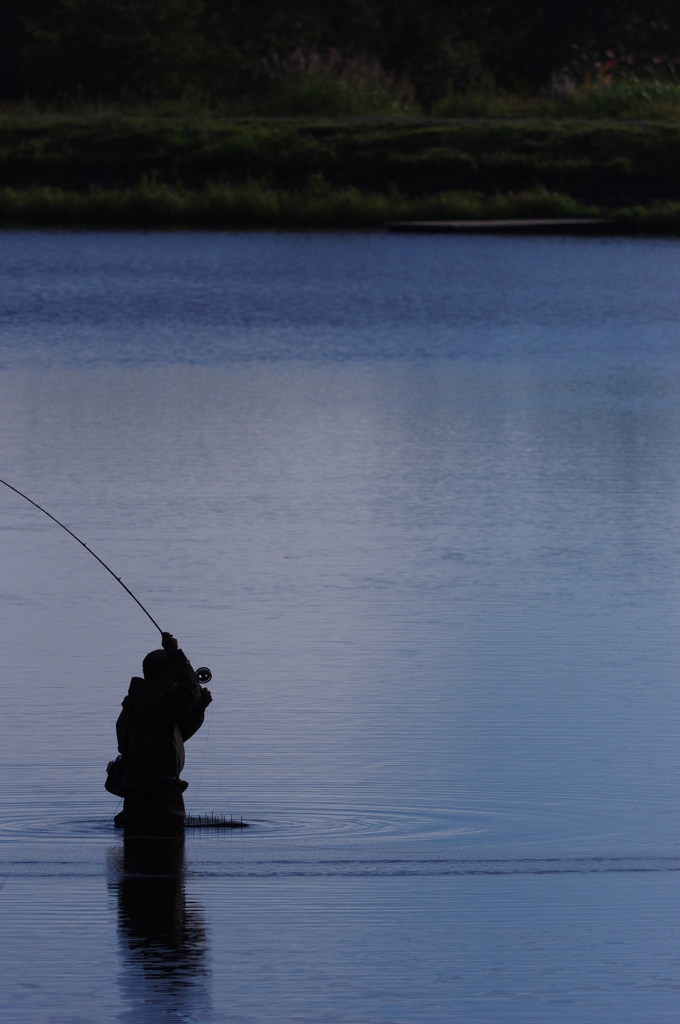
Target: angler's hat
[[153, 665]]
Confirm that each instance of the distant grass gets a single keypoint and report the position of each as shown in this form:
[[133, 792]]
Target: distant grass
[[624, 99], [602, 163], [363, 89], [256, 206], [189, 171], [365, 92], [655, 219], [362, 93]]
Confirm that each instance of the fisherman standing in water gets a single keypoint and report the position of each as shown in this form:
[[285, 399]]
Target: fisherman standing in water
[[160, 712]]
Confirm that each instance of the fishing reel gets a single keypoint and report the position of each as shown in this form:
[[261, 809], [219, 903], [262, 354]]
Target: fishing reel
[[204, 675]]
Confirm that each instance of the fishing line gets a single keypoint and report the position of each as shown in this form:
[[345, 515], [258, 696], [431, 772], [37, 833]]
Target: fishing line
[[116, 810], [82, 542], [200, 779]]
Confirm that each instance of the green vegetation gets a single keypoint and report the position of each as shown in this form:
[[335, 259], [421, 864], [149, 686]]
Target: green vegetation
[[604, 163], [324, 57], [255, 206], [212, 172], [341, 113], [625, 99]]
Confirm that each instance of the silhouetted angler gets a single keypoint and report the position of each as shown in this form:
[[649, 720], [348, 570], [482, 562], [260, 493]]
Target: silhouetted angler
[[160, 712]]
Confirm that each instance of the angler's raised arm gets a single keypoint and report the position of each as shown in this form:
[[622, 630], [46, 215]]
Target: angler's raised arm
[[186, 692]]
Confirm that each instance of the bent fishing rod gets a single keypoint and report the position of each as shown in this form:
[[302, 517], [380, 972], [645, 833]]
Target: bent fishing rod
[[82, 542]]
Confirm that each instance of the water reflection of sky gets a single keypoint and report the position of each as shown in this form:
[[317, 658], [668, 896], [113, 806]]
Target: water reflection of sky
[[415, 502], [88, 298]]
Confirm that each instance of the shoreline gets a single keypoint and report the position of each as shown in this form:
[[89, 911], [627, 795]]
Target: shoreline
[[253, 206]]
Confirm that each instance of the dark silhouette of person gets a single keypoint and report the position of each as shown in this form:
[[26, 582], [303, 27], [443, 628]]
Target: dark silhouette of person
[[163, 938], [160, 712]]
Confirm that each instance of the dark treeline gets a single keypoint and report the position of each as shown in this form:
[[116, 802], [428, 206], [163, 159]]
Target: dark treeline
[[60, 52]]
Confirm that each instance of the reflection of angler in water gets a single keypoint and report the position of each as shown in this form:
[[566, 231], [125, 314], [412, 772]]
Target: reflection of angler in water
[[162, 936]]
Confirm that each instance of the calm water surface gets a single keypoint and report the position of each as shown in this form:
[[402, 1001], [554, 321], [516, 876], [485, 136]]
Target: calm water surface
[[416, 501]]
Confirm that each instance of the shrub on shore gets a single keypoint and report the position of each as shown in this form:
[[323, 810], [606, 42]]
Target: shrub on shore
[[311, 83]]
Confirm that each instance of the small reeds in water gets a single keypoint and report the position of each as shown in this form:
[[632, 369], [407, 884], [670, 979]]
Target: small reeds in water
[[214, 821]]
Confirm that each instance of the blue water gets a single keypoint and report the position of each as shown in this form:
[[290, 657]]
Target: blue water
[[416, 502]]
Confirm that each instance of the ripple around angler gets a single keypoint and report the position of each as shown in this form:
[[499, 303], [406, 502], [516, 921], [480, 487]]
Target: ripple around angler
[[305, 824], [57, 827], [416, 867], [348, 824]]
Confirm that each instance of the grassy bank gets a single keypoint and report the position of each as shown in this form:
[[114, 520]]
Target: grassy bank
[[622, 99], [607, 163], [255, 206], [170, 170], [325, 96]]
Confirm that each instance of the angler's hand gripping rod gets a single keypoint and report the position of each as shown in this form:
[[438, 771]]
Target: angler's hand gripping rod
[[82, 542]]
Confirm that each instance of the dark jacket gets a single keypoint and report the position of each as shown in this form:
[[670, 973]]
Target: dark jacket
[[153, 726]]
